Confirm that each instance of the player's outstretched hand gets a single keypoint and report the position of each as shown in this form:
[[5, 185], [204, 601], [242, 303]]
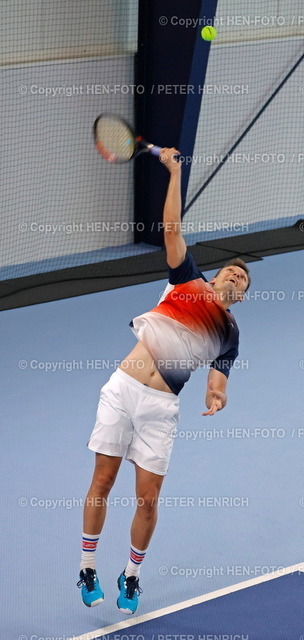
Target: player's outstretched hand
[[219, 400], [168, 157]]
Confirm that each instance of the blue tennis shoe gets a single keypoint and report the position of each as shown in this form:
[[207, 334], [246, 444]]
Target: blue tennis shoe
[[91, 592], [129, 589]]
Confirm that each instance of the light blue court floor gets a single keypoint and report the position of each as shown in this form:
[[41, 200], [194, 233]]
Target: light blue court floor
[[232, 505]]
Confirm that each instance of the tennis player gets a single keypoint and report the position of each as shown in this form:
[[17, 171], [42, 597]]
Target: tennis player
[[138, 409]]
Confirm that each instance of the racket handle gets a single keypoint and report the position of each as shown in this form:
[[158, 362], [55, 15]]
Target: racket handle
[[156, 151]]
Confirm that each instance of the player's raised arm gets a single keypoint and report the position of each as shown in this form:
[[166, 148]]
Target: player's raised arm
[[174, 241]]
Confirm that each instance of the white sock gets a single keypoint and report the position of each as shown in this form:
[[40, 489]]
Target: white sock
[[135, 560], [89, 545]]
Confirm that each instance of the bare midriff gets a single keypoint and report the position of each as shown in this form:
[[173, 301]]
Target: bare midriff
[[140, 365]]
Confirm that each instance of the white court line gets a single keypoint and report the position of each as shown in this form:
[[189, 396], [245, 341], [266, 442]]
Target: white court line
[[125, 624]]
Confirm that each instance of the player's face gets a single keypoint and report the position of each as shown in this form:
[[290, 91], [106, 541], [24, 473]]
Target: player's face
[[231, 282]]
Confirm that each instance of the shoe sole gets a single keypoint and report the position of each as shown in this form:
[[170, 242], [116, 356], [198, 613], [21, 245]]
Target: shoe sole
[[94, 603], [126, 611]]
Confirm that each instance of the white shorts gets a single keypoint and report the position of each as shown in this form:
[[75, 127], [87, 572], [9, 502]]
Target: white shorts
[[135, 422]]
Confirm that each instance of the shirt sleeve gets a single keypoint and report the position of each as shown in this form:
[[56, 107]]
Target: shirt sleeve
[[185, 272], [225, 361]]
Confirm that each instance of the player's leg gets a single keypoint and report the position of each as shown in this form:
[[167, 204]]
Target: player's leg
[[148, 487], [95, 508], [110, 439]]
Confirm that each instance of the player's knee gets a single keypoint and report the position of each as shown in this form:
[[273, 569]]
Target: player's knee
[[103, 482], [147, 501]]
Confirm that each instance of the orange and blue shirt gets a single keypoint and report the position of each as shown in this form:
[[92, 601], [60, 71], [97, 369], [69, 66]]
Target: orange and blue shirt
[[188, 328]]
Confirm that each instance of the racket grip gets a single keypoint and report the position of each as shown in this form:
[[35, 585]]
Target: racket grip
[[156, 151]]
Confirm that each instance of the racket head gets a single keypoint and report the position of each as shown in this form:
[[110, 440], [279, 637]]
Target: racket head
[[114, 138]]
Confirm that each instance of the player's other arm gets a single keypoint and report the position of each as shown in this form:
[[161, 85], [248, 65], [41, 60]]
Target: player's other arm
[[216, 398], [174, 242]]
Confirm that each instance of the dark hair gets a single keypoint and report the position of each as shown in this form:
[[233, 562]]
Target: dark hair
[[237, 262]]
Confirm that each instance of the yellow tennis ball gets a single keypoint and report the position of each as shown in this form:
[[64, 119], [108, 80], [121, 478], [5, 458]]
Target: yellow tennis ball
[[208, 33]]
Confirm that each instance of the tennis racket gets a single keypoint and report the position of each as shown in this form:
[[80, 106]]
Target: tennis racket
[[116, 141]]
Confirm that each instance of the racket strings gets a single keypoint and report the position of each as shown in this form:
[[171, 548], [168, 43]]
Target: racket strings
[[115, 138]]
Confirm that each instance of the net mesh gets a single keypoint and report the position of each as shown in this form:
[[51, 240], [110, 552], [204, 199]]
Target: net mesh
[[248, 159], [62, 64]]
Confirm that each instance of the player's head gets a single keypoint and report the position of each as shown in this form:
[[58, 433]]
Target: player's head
[[232, 280]]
